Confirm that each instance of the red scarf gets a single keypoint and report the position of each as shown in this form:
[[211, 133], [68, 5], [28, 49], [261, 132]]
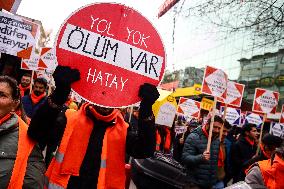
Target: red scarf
[[23, 89], [5, 118], [251, 142], [204, 131], [36, 99]]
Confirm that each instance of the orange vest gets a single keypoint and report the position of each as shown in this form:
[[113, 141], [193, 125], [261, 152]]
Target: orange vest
[[167, 143], [73, 146], [25, 147], [272, 174]]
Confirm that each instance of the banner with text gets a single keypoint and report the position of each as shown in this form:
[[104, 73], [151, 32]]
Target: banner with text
[[189, 107], [265, 101]]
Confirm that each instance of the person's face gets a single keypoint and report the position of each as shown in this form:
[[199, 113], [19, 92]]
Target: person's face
[[38, 89], [103, 111], [252, 134], [225, 133], [216, 129], [135, 114], [25, 81], [7, 103]]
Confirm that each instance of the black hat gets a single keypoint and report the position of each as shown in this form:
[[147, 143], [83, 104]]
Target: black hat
[[271, 140]]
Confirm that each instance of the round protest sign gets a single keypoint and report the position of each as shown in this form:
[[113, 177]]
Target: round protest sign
[[115, 49]]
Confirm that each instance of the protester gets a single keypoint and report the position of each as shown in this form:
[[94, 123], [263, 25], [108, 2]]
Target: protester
[[93, 139], [21, 161], [231, 138], [25, 84], [201, 164], [70, 103], [180, 138], [221, 173], [268, 173], [33, 101], [243, 150], [267, 147], [163, 139]]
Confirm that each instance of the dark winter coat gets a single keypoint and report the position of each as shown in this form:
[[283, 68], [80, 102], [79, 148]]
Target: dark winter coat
[[29, 107], [34, 177], [200, 172], [242, 151], [47, 130]]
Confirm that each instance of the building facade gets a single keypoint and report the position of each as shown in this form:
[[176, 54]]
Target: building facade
[[263, 71]]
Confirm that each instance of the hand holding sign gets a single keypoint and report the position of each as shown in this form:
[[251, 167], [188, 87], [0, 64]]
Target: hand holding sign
[[64, 76]]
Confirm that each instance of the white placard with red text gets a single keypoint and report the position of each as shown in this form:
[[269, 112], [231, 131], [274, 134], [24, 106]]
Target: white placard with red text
[[189, 107], [234, 94], [31, 64], [18, 35], [47, 58], [265, 101], [115, 49], [214, 82]]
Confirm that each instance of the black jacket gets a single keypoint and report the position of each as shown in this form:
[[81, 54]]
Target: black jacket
[[242, 151], [200, 172], [49, 130]]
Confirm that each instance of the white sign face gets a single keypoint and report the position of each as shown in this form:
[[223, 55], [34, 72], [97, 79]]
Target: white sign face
[[180, 129], [265, 101], [254, 119], [166, 114], [277, 129], [47, 58], [116, 58], [30, 64], [189, 107], [233, 115], [17, 34], [234, 93], [214, 82]]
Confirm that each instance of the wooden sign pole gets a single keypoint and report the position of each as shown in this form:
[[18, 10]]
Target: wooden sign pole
[[32, 81], [211, 124], [224, 119], [261, 132]]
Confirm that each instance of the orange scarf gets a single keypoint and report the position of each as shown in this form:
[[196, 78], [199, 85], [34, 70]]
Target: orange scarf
[[273, 174], [83, 134], [23, 89], [221, 157], [5, 118], [36, 99]]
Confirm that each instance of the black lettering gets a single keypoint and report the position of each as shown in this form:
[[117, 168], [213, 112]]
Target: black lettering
[[133, 64], [84, 48], [95, 50], [78, 29], [112, 48], [154, 60], [143, 61]]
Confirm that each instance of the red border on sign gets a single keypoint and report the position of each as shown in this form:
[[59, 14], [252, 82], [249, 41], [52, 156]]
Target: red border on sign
[[256, 107], [105, 97]]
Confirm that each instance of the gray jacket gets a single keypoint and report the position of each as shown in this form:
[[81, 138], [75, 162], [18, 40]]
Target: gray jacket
[[199, 171], [34, 177], [254, 178]]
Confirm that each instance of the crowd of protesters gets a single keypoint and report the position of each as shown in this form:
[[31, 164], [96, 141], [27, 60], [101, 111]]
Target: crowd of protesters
[[50, 141]]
